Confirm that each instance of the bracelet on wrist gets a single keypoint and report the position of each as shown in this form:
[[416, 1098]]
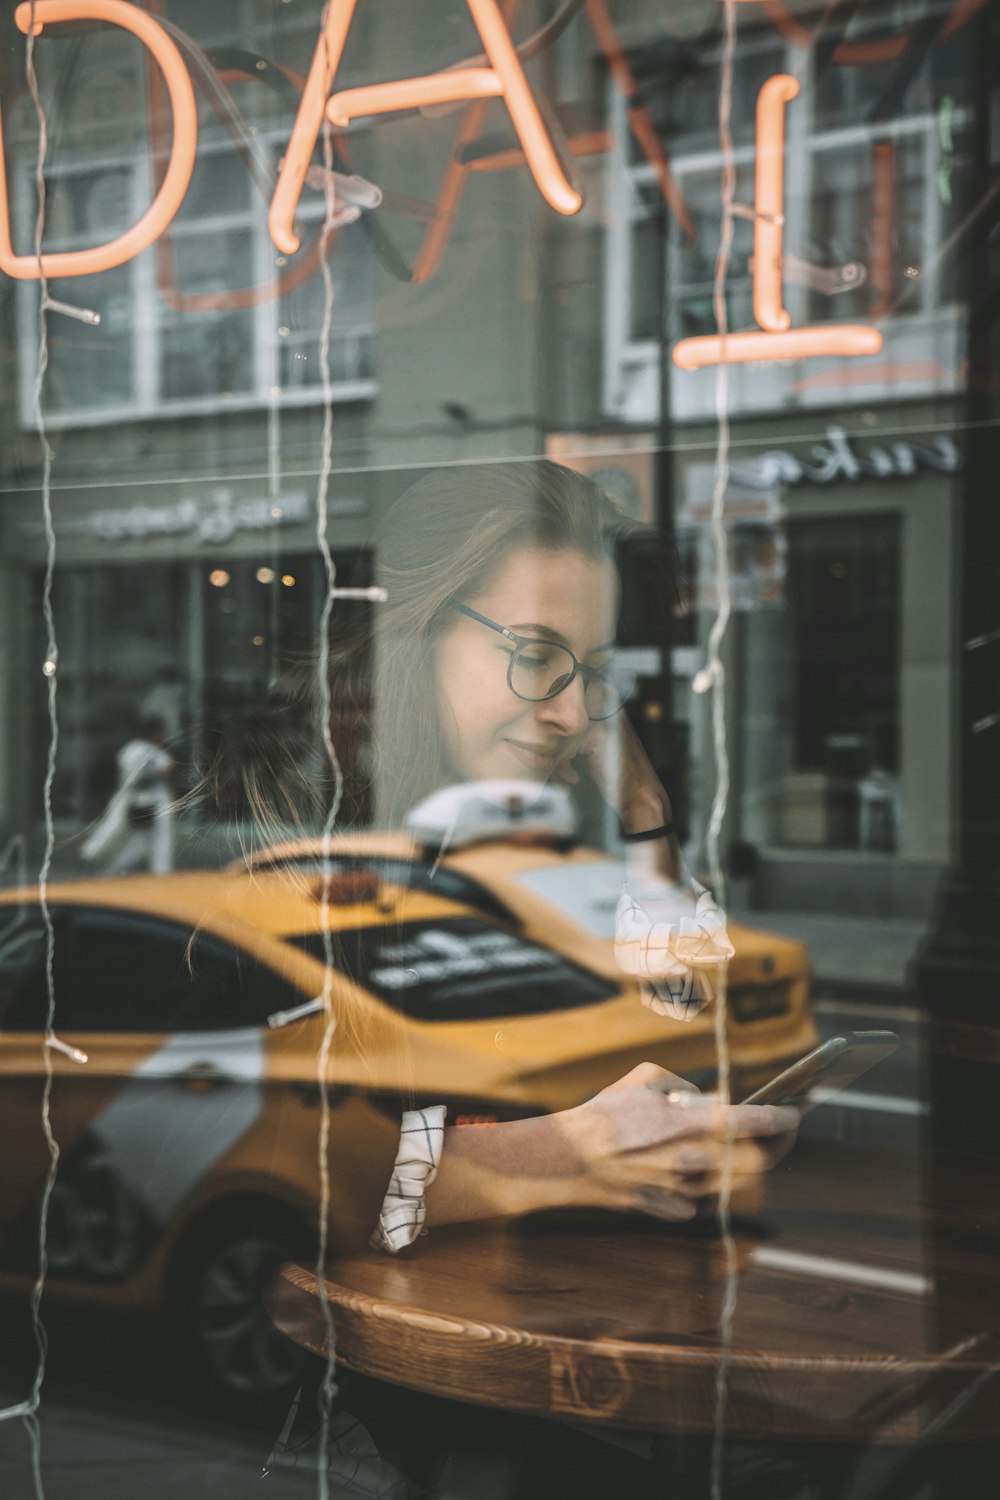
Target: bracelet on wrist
[[664, 831]]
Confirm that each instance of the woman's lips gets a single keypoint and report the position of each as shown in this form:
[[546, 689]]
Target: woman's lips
[[535, 757]]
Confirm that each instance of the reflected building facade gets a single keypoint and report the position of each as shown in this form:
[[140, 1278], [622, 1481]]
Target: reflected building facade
[[465, 319]]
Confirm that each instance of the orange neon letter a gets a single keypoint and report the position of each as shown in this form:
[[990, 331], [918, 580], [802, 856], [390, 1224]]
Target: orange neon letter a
[[504, 79], [182, 154]]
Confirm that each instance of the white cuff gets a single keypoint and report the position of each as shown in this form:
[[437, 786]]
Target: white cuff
[[421, 1142]]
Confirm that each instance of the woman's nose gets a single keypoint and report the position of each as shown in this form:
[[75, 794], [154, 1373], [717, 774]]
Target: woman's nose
[[567, 711]]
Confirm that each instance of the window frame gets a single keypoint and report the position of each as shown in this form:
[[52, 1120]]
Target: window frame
[[144, 325]]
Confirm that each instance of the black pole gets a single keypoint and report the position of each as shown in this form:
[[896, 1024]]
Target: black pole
[[956, 973]]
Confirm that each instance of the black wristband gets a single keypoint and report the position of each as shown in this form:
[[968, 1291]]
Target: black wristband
[[664, 831]]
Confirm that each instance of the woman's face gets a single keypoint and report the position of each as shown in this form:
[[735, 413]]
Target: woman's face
[[489, 731]]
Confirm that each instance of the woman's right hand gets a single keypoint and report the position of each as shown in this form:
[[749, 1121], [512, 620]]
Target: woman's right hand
[[652, 1143]]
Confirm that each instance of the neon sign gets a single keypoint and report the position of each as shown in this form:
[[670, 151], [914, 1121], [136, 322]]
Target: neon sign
[[182, 154], [774, 338], [503, 79]]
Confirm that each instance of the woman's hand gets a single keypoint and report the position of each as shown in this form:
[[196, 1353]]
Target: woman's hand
[[612, 755], [651, 1142]]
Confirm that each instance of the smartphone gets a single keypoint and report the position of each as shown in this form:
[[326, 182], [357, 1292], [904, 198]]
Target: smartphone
[[823, 1072]]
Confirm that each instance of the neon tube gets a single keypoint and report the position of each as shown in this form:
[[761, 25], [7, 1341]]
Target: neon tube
[[412, 93], [536, 142], [504, 78], [849, 339], [308, 122], [639, 120], [769, 202], [182, 152]]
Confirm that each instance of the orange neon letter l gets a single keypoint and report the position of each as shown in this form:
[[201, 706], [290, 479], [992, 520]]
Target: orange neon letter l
[[769, 208], [182, 154], [774, 338], [503, 79]]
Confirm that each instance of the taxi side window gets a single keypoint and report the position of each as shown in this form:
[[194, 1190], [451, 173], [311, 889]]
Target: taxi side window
[[23, 987], [122, 973], [129, 973], [230, 989]]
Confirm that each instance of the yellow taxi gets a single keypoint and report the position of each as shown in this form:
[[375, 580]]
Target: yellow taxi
[[187, 1020]]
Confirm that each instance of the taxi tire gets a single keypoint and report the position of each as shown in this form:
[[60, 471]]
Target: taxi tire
[[222, 1339]]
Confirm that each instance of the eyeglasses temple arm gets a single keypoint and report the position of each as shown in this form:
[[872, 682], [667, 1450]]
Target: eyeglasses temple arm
[[474, 614]]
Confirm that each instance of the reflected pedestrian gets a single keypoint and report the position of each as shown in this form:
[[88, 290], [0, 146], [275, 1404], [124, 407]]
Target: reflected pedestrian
[[137, 823]]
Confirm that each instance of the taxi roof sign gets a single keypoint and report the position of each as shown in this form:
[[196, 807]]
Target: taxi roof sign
[[481, 811]]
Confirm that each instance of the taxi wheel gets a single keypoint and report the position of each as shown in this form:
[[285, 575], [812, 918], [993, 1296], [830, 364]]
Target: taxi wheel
[[226, 1340]]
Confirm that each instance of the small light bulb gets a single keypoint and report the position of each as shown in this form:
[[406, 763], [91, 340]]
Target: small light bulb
[[49, 668], [218, 578], [265, 575], [288, 579]]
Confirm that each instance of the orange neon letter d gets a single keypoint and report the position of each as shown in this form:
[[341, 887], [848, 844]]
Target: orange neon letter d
[[503, 79], [182, 154]]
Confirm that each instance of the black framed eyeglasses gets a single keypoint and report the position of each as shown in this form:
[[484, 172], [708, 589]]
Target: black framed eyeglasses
[[539, 670]]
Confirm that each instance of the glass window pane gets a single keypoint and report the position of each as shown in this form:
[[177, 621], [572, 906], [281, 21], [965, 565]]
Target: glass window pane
[[208, 353], [91, 368]]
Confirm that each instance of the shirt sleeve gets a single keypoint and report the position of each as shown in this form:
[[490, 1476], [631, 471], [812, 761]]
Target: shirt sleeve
[[673, 939], [421, 1142]]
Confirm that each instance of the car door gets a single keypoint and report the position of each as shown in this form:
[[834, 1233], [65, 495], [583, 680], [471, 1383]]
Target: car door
[[173, 1078], [24, 1065]]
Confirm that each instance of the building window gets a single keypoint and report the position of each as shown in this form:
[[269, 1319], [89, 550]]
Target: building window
[[869, 199], [149, 358]]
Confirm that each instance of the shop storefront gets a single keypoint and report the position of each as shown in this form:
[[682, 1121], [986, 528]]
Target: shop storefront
[[840, 537], [498, 627], [189, 603]]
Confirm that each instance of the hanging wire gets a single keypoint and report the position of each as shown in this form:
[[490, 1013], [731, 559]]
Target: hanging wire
[[328, 1386], [27, 1410], [715, 679]]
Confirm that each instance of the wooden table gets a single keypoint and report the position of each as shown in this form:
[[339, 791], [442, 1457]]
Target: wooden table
[[855, 1317]]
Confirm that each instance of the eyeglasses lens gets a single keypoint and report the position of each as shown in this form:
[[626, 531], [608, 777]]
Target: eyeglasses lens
[[602, 697], [541, 670]]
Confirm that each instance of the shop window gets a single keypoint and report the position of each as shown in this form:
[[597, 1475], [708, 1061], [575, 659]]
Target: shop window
[[846, 224], [146, 357], [125, 635], [843, 629]]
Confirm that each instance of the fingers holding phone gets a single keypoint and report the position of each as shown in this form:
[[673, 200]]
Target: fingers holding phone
[[651, 1142]]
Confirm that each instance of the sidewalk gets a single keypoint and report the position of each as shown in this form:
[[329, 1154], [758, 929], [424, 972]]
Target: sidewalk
[[850, 955], [197, 846]]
